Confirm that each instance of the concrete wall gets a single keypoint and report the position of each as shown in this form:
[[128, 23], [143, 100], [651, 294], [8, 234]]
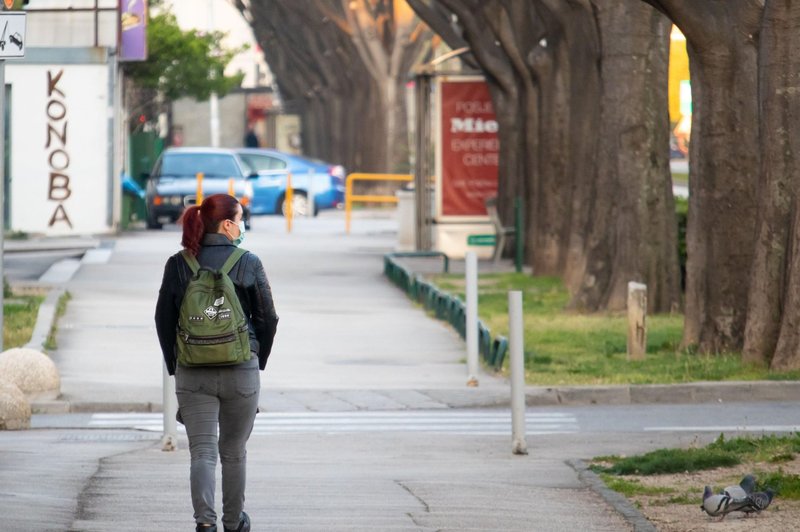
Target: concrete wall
[[193, 119], [75, 29]]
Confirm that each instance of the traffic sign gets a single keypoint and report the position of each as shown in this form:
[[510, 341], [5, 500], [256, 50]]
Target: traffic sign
[[12, 34]]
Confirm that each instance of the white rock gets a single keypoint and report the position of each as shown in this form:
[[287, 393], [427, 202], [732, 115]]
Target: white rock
[[32, 372], [15, 411]]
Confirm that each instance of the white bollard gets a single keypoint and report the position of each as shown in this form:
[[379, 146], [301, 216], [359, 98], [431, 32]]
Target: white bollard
[[169, 441], [471, 293], [516, 347]]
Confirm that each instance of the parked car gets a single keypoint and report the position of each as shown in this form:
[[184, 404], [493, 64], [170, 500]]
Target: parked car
[[271, 168], [172, 185]]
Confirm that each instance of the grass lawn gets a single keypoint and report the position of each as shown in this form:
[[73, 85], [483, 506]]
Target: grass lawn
[[563, 348], [19, 319], [667, 484]]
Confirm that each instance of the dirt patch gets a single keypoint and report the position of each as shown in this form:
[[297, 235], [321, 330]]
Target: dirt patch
[[679, 509]]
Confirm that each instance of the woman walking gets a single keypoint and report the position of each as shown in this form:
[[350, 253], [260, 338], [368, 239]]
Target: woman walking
[[217, 401]]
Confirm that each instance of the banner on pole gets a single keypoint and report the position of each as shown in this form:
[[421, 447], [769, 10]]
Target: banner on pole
[[132, 30], [468, 148]]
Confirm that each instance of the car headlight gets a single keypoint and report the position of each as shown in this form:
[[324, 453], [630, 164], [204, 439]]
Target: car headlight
[[176, 200]]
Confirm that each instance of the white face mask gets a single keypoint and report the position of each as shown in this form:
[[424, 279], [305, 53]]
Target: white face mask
[[238, 240]]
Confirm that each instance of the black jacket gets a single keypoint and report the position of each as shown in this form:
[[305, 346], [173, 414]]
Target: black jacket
[[252, 288]]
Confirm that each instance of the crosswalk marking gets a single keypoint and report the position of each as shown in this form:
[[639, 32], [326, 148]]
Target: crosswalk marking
[[449, 422]]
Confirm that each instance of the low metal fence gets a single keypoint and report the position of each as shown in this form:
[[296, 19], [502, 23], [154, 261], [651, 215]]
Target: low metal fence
[[445, 306]]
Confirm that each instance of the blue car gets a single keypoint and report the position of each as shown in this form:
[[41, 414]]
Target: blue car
[[172, 185], [268, 171]]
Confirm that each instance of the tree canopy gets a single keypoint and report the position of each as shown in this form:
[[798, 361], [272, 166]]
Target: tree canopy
[[183, 63]]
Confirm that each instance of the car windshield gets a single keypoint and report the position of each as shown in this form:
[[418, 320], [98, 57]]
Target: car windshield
[[190, 164], [261, 163]]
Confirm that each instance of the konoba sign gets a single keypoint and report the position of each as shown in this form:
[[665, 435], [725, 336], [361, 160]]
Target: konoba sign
[[59, 158]]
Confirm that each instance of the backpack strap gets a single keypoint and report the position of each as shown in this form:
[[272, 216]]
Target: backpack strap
[[191, 260], [232, 260]]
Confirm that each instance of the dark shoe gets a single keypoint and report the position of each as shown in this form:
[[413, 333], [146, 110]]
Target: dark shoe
[[244, 524], [210, 528]]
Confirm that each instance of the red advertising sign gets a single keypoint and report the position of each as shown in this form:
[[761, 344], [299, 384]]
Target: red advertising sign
[[469, 148]]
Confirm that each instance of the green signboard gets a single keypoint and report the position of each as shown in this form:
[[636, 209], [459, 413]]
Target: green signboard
[[481, 240]]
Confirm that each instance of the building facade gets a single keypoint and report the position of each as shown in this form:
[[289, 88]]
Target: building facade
[[64, 133]]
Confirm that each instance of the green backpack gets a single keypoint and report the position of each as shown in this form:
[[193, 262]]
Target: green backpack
[[212, 328]]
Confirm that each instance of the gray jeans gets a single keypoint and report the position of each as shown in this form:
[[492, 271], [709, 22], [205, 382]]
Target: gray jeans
[[225, 396]]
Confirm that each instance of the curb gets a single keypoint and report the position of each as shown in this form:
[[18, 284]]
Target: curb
[[458, 398], [684, 393], [622, 505], [45, 319]]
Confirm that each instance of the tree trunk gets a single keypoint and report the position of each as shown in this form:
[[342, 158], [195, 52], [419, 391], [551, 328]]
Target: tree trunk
[[633, 232], [352, 105], [542, 63], [773, 320], [723, 165]]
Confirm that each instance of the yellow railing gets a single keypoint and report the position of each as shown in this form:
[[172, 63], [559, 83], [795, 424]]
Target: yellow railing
[[349, 197]]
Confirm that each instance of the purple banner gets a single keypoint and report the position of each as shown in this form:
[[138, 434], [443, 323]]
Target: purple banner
[[132, 30]]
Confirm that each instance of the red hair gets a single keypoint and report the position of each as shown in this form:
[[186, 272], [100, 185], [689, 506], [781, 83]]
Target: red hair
[[200, 219]]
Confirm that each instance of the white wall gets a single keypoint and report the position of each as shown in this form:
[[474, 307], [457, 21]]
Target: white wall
[[81, 95], [71, 29]]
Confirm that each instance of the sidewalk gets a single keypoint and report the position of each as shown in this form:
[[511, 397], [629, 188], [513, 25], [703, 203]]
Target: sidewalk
[[347, 340]]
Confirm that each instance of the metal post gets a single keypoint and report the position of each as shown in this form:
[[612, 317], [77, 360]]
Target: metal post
[[519, 236], [471, 290], [2, 191], [198, 200], [214, 120], [213, 100], [169, 441], [288, 200], [422, 170], [517, 370], [348, 202], [311, 199]]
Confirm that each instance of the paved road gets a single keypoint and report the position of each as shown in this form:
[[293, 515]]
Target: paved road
[[700, 418]]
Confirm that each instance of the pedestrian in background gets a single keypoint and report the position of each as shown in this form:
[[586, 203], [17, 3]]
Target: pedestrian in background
[[251, 139], [217, 399]]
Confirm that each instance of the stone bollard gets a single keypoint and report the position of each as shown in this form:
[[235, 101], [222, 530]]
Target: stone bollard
[[32, 372], [15, 411]]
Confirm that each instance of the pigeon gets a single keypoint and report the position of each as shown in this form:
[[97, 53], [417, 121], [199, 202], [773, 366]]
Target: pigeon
[[745, 488], [721, 504], [755, 502]]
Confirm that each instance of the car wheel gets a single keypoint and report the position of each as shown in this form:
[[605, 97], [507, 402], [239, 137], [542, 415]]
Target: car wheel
[[299, 204]]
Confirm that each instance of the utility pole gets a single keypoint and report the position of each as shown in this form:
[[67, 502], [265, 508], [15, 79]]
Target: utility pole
[[213, 100], [15, 47]]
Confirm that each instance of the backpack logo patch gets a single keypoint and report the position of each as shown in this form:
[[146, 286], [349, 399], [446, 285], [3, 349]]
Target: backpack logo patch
[[211, 312]]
